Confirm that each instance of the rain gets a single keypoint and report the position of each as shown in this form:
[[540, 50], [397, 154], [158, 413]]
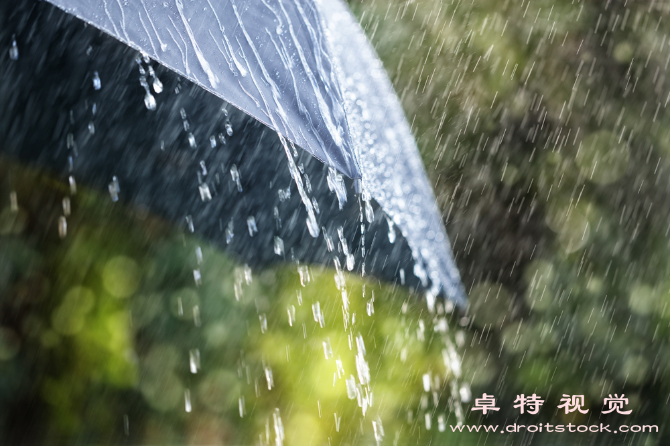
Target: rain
[[334, 223]]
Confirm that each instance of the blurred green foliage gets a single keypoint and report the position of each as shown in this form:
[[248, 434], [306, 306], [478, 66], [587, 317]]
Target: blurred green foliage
[[544, 127], [123, 329]]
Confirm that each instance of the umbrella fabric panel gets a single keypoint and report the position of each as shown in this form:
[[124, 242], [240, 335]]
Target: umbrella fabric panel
[[58, 122], [265, 57], [393, 172]]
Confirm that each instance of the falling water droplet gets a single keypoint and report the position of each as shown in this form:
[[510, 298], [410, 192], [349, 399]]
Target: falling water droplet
[[187, 400], [291, 315], [336, 184], [66, 206], [13, 201], [391, 230], [150, 101], [268, 377], [212, 141], [73, 185], [158, 86], [350, 262], [114, 189], [441, 423], [312, 226], [91, 128], [378, 430], [279, 246], [303, 272], [351, 387], [229, 129], [194, 360], [327, 349], [235, 175], [62, 227], [189, 223], [14, 51], [205, 192], [191, 141], [369, 212], [251, 225], [229, 232], [97, 83]]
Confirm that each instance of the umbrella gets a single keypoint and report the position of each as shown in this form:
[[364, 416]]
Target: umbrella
[[154, 132]]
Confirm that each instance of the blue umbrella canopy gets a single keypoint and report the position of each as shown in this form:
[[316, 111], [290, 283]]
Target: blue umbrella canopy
[[303, 69]]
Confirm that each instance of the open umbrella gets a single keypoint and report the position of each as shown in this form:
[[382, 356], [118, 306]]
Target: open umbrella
[[153, 131]]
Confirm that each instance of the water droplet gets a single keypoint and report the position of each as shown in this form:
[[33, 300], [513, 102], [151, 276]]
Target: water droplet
[[318, 315], [336, 184], [158, 86], [194, 360], [378, 430], [66, 206], [340, 368], [251, 225], [189, 223], [327, 349], [196, 316], [291, 315], [441, 423], [97, 83], [312, 226], [229, 129], [13, 201], [73, 185], [351, 387], [212, 141], [229, 232], [114, 189], [205, 193], [235, 175], [187, 400], [391, 230], [279, 246], [197, 277], [369, 212], [150, 101], [426, 382], [269, 378], [240, 405], [303, 272], [91, 128], [14, 51], [370, 308], [62, 227], [191, 141], [284, 194], [350, 262], [264, 322]]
